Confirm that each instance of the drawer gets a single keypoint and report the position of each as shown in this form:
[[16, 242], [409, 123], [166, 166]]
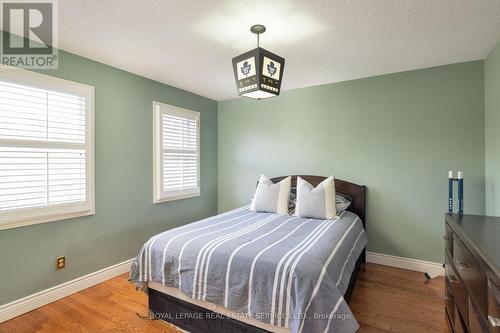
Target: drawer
[[449, 301], [459, 325], [456, 286], [470, 271], [475, 325], [493, 307], [448, 239]]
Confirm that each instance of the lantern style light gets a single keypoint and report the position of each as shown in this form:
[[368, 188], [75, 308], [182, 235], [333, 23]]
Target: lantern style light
[[258, 72]]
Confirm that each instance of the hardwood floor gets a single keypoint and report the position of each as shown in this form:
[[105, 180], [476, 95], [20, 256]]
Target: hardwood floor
[[385, 299], [388, 299]]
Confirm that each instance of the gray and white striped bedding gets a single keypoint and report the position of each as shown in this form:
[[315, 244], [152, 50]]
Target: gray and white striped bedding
[[279, 269]]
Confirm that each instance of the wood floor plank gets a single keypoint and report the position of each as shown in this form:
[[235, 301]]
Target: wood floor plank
[[388, 299], [385, 299]]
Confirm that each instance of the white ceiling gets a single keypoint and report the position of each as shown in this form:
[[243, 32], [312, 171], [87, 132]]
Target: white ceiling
[[189, 43]]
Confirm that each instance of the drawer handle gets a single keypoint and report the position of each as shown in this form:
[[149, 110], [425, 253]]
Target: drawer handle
[[463, 266], [446, 237], [495, 322]]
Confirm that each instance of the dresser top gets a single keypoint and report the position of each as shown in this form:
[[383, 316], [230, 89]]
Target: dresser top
[[482, 232]]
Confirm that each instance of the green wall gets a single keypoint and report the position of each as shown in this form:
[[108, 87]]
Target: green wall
[[492, 142], [125, 214], [398, 134]]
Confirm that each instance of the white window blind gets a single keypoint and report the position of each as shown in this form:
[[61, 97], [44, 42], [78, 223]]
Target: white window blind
[[177, 159], [46, 165]]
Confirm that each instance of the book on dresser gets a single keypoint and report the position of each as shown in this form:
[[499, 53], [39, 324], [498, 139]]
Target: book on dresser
[[472, 283]]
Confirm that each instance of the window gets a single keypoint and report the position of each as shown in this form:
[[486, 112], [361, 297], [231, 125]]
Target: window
[[176, 153], [46, 148]]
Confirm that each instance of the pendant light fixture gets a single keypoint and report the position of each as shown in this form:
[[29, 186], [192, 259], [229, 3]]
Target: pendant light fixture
[[258, 72]]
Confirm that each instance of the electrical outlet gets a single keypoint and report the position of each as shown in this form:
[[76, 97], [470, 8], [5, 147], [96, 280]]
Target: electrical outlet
[[60, 262]]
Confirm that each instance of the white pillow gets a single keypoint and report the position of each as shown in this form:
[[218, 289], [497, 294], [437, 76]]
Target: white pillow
[[270, 197], [316, 202]]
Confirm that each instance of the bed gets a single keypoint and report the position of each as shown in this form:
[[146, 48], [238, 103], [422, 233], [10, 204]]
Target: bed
[[244, 271]]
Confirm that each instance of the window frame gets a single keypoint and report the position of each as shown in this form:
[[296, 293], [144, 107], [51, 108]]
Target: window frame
[[29, 216], [159, 195]]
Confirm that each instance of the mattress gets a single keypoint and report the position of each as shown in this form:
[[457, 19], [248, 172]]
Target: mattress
[[281, 270]]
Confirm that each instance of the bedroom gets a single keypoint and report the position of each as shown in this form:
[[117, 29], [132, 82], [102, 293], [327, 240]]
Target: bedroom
[[132, 146]]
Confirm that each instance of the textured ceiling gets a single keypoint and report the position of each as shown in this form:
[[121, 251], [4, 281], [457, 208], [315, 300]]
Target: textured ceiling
[[189, 43]]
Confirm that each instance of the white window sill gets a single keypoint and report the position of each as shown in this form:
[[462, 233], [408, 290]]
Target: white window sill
[[176, 197], [44, 219]]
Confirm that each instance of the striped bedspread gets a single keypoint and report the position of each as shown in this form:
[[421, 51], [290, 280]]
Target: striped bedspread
[[278, 269]]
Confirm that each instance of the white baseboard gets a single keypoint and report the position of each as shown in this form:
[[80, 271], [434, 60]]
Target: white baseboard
[[406, 263], [31, 302], [28, 303]]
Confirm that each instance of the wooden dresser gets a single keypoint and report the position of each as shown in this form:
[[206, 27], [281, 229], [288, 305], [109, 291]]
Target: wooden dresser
[[472, 284]]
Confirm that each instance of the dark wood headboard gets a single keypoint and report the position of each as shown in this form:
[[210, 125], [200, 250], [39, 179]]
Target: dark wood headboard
[[354, 192]]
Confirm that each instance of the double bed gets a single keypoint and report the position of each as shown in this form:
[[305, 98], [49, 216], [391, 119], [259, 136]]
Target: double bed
[[244, 271]]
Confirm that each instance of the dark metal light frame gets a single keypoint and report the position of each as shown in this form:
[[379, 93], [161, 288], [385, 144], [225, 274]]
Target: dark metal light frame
[[258, 73]]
